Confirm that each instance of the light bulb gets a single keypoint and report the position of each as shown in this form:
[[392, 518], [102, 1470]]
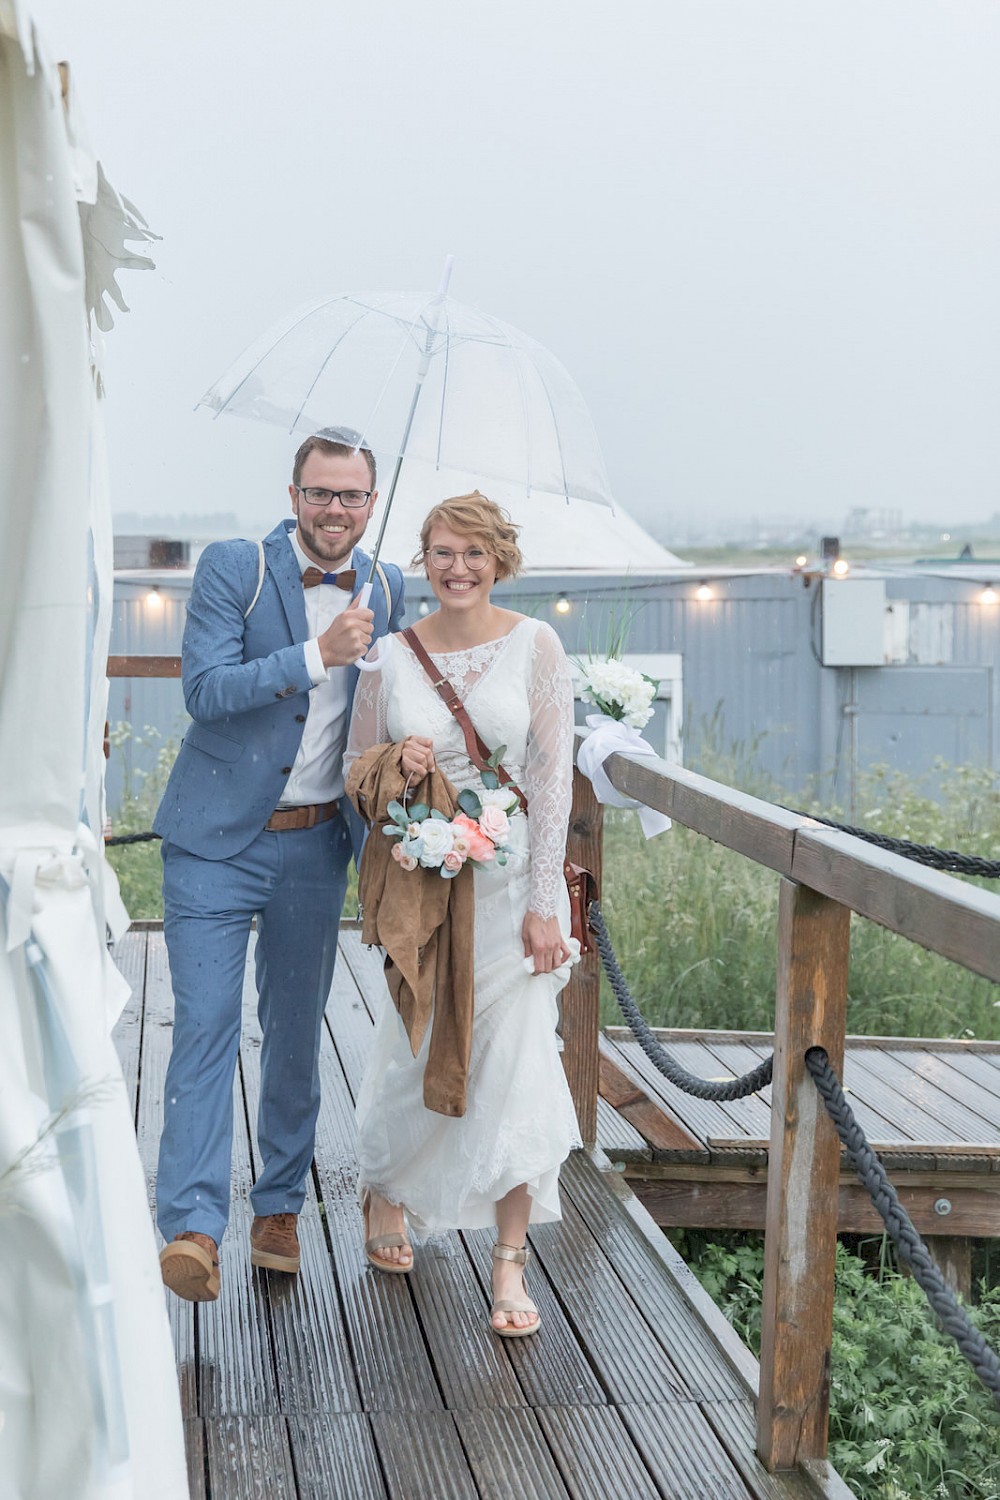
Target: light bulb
[[841, 568], [703, 591], [563, 605], [989, 595], [801, 560], [154, 599]]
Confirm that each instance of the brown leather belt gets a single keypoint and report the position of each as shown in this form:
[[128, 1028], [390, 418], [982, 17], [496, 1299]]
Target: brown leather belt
[[286, 818]]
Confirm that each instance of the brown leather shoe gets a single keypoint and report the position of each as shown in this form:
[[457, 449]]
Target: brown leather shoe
[[189, 1266], [274, 1242]]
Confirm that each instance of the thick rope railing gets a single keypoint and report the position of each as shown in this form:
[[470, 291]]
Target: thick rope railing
[[129, 838], [899, 1226], [701, 1088], [871, 1173], [923, 854]]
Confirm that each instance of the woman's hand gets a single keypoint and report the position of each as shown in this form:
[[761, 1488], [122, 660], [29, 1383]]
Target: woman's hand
[[417, 756], [543, 942]]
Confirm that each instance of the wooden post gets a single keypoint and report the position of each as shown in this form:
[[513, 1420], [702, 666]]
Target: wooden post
[[802, 1182], [581, 997]]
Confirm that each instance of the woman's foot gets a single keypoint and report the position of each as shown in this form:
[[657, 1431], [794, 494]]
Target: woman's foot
[[386, 1245], [513, 1314]]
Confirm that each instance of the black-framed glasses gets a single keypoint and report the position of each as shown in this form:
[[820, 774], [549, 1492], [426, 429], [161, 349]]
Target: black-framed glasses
[[443, 557], [350, 499]]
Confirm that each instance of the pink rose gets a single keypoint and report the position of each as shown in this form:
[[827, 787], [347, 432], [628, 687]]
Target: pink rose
[[453, 860], [480, 847], [494, 823], [406, 860]]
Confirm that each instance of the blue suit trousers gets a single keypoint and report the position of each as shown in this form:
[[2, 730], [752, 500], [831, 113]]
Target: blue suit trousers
[[293, 882]]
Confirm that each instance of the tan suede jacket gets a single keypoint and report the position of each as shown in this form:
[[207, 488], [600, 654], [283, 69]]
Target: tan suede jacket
[[425, 924]]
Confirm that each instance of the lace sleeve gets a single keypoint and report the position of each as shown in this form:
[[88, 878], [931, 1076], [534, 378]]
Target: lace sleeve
[[368, 717], [549, 767]]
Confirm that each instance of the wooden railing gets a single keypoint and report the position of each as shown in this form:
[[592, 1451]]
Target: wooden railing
[[825, 876]]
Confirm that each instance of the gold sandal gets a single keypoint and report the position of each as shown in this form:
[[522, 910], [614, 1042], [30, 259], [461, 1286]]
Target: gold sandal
[[511, 1305], [384, 1242]]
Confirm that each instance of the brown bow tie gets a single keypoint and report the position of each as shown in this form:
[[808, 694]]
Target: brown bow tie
[[344, 580]]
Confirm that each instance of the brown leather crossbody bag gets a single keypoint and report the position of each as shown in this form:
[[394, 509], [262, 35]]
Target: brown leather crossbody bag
[[580, 882]]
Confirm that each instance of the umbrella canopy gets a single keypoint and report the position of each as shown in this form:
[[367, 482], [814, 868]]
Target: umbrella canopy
[[88, 1392], [493, 402]]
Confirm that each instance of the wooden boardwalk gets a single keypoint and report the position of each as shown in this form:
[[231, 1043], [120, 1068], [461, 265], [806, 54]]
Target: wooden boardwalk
[[342, 1382], [931, 1109]]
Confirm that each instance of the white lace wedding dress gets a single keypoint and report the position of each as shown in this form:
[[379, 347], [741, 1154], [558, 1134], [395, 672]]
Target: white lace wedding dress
[[519, 1124]]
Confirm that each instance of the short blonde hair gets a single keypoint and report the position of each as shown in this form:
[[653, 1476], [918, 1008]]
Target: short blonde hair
[[475, 516]]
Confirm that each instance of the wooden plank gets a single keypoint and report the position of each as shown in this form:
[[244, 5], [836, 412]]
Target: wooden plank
[[733, 1421], [157, 1030], [194, 1453], [130, 960], [623, 1349], [249, 1458], [311, 1350], [683, 1453], [579, 1002], [596, 1454], [391, 1363], [471, 1363], [804, 1169], [655, 1123], [508, 1455], [761, 831], [727, 1205], [959, 1078], [644, 1272], [902, 1088], [144, 666], [367, 966], [617, 1137], [421, 1455], [703, 1118], [937, 911], [334, 1456], [551, 1368], [235, 1356]]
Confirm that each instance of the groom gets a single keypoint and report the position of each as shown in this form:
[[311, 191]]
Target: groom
[[253, 823]]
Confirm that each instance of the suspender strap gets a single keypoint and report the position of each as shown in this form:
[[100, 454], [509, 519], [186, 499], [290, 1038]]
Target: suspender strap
[[479, 752]]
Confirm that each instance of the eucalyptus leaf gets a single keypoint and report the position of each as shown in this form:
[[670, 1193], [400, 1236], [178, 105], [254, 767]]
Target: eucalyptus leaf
[[470, 803], [418, 813], [437, 813], [491, 780], [398, 813]]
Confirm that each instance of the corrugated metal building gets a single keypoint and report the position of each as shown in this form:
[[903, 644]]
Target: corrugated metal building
[[797, 675]]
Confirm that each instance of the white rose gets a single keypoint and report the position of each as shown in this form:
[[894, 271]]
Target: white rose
[[438, 840]]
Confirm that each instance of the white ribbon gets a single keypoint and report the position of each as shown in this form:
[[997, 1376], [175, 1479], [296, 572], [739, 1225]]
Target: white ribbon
[[609, 737]]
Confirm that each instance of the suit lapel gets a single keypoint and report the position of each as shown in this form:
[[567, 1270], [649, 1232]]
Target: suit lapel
[[285, 571]]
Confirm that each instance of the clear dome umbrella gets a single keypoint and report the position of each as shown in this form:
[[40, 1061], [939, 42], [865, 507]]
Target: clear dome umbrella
[[429, 380]]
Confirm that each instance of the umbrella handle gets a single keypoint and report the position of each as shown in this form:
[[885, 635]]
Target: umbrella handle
[[385, 644]]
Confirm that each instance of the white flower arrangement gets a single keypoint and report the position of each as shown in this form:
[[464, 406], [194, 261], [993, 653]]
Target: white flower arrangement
[[619, 691]]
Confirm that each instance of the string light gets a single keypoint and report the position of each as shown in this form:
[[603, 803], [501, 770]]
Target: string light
[[801, 560], [989, 595], [154, 599], [703, 591], [563, 605], [841, 568]]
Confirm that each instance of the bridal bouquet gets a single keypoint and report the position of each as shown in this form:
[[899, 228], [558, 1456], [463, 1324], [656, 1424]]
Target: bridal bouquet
[[426, 837], [620, 692]]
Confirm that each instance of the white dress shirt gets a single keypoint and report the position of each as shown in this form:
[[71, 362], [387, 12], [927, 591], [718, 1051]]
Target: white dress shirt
[[318, 772]]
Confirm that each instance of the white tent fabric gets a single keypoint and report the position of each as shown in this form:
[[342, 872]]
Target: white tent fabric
[[557, 535], [89, 1407]]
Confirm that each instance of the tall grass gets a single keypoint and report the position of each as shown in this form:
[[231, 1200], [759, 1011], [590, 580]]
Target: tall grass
[[695, 925]]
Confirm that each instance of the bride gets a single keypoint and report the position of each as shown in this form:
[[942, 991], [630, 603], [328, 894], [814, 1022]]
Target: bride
[[499, 1161]]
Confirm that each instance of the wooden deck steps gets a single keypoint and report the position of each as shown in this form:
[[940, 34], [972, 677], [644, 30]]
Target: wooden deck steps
[[931, 1109], [341, 1382]]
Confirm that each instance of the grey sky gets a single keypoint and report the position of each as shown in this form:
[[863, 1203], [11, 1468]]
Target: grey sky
[[764, 237]]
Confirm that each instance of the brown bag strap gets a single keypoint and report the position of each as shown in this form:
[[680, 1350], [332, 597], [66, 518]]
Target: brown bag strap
[[479, 751]]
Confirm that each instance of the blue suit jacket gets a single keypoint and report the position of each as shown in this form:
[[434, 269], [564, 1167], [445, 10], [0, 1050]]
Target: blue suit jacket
[[246, 687]]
